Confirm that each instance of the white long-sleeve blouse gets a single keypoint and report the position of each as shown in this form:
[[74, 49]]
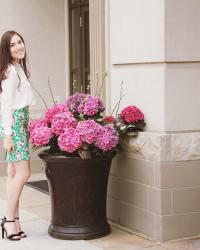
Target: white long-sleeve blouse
[[16, 94]]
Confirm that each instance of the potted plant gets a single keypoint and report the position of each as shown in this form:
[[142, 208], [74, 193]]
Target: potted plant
[[79, 143]]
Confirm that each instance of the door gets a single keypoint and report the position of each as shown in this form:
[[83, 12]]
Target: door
[[79, 46]]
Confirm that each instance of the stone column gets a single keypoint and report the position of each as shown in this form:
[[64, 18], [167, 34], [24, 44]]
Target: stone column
[[155, 186], [97, 46]]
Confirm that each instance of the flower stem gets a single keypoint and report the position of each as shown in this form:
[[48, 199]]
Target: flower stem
[[39, 95], [118, 103], [51, 92]]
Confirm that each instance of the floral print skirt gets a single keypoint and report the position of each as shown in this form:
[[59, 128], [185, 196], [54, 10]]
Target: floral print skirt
[[20, 135]]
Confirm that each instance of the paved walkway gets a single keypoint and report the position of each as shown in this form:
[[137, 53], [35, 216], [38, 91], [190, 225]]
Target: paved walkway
[[35, 217]]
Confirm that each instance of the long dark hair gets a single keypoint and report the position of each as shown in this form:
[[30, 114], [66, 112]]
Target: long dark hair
[[5, 56]]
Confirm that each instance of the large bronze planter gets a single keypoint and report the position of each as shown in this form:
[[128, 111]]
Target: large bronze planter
[[78, 191]]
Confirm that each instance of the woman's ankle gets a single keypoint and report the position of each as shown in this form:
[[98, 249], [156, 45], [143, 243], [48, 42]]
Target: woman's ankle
[[18, 226]]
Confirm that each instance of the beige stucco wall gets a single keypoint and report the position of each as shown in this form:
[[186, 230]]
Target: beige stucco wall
[[42, 24], [145, 37], [133, 37], [136, 55], [182, 39], [182, 16]]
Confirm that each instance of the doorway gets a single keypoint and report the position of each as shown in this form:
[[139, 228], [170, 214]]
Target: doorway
[[79, 37]]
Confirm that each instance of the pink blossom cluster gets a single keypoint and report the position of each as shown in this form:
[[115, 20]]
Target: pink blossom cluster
[[61, 121], [79, 122], [107, 139], [55, 121], [109, 119], [103, 137], [71, 133], [58, 108], [88, 131], [91, 106], [37, 123], [75, 100], [70, 140], [40, 136], [85, 104], [131, 114]]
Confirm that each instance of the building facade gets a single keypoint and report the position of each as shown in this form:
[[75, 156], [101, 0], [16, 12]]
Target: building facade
[[153, 47]]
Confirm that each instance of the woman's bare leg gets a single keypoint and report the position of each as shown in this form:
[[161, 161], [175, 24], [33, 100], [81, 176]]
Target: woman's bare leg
[[14, 189], [10, 176], [11, 227]]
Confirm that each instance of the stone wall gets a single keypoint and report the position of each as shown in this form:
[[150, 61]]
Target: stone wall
[[154, 187]]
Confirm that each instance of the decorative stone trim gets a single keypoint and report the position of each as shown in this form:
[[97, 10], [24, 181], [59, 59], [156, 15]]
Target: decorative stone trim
[[161, 147]]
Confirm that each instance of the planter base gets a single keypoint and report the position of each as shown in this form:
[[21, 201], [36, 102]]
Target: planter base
[[78, 196], [78, 233]]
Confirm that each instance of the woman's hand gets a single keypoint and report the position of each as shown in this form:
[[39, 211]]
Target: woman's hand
[[8, 144]]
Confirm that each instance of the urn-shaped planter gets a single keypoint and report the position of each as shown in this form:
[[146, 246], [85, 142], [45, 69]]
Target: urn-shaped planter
[[78, 190]]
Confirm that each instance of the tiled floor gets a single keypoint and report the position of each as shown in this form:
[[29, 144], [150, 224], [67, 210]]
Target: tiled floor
[[35, 208]]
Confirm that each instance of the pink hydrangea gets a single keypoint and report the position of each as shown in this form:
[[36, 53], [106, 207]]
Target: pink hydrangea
[[75, 100], [107, 139], [88, 130], [58, 108], [80, 108], [70, 140], [91, 106], [61, 121], [37, 123], [131, 114], [40, 136], [109, 119]]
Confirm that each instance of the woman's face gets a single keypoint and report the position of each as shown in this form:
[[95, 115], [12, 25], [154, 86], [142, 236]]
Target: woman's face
[[17, 48]]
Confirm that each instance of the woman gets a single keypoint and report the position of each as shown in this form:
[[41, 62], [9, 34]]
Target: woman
[[16, 97]]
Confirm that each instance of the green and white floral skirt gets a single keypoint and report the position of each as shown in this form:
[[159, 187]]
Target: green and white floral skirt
[[20, 135]]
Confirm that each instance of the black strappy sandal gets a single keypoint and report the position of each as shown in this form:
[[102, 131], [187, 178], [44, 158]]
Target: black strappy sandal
[[9, 237], [21, 233]]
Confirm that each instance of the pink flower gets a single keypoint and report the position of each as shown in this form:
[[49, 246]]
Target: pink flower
[[107, 139], [37, 123], [109, 119], [85, 104], [79, 127], [70, 140], [80, 108], [40, 136], [58, 108], [75, 100], [88, 131], [131, 114], [61, 121], [91, 106]]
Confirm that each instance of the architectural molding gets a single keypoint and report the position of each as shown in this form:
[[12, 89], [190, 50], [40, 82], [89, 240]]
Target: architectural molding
[[97, 46], [164, 148]]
